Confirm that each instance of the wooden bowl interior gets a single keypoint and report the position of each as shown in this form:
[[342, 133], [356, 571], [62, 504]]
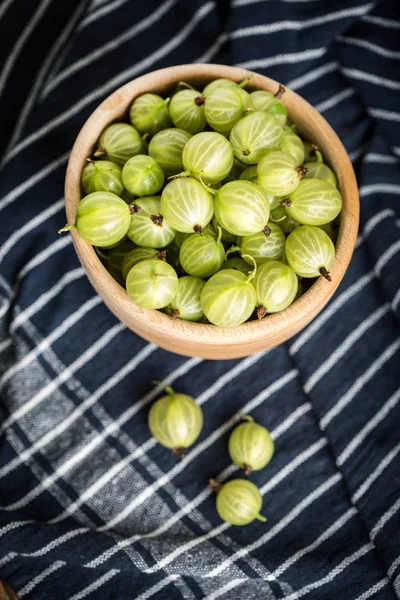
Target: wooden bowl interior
[[194, 339]]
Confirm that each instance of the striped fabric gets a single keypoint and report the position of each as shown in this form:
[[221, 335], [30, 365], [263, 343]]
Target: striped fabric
[[90, 505]]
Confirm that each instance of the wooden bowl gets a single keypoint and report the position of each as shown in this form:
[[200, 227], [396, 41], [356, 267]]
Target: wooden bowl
[[195, 339]]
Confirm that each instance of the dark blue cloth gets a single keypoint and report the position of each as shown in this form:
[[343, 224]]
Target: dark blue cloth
[[90, 505]]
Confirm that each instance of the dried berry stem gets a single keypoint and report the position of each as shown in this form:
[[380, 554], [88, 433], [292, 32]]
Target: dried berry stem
[[301, 171], [179, 452], [134, 208], [100, 153], [175, 314], [261, 312], [162, 255], [325, 273], [197, 229], [246, 152], [286, 202], [199, 100], [267, 230], [280, 92], [247, 470], [157, 220], [215, 486]]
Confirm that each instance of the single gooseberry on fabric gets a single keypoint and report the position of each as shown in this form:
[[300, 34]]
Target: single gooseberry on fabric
[[175, 420], [166, 148], [152, 283], [314, 202], [202, 255], [148, 226], [102, 176], [241, 208], [142, 175], [310, 252], [208, 155], [276, 287], [119, 142], [225, 106], [186, 205], [238, 502], [137, 255], [293, 145], [102, 219], [187, 110], [149, 113], [279, 174], [186, 304], [254, 135], [250, 446]]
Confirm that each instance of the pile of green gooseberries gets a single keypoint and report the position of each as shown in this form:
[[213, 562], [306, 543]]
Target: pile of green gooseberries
[[176, 420], [209, 206]]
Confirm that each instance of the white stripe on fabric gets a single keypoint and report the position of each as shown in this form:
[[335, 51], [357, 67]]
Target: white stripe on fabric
[[129, 34], [385, 462], [384, 519], [109, 430], [295, 512], [366, 430], [42, 256], [5, 344], [359, 383], [64, 375], [33, 180], [380, 113], [14, 525], [231, 585], [340, 301], [27, 589], [33, 94], [126, 75], [373, 157], [300, 25], [312, 75], [199, 448], [98, 13], [335, 100], [15, 52], [375, 588], [157, 587], [5, 307], [369, 46], [45, 298], [379, 188], [336, 356], [291, 419], [214, 49], [334, 528], [31, 224], [388, 213], [247, 2], [355, 155], [371, 78], [386, 257], [393, 567], [396, 300], [389, 23], [4, 7], [95, 585], [58, 332], [282, 59], [346, 562]]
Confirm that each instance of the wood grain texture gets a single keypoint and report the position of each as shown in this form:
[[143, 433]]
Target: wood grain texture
[[6, 592], [194, 339]]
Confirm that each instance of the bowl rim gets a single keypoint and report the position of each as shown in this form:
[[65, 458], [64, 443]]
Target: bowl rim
[[146, 321]]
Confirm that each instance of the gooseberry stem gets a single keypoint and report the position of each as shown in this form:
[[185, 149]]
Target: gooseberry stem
[[245, 82], [185, 85], [319, 156], [280, 92], [179, 452], [230, 250], [175, 314], [179, 175], [208, 188], [325, 273], [67, 228], [199, 100], [247, 470], [248, 418], [215, 486], [261, 518], [100, 152], [167, 388], [261, 312], [254, 271], [301, 171], [277, 220], [267, 230], [287, 202], [219, 237]]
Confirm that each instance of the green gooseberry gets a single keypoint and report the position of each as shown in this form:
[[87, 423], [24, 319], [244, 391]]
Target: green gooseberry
[[317, 170], [175, 420], [186, 205], [241, 208], [102, 219], [127, 197], [142, 175], [271, 104], [208, 156], [166, 148], [292, 144], [238, 502], [102, 176], [152, 284], [187, 110], [225, 106], [279, 174], [202, 255], [250, 446], [250, 174], [276, 287], [228, 298], [310, 252], [186, 304], [222, 83], [148, 226], [311, 152], [137, 255], [314, 202], [118, 143], [254, 135], [264, 245], [149, 113]]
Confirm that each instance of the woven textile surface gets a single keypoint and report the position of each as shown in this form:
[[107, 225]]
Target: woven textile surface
[[90, 505]]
